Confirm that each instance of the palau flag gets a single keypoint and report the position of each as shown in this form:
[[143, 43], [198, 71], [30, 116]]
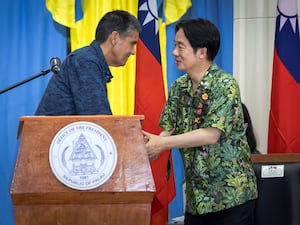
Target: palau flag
[[284, 124], [65, 12], [149, 101]]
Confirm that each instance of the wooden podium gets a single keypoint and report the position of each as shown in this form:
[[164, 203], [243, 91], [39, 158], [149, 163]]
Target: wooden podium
[[40, 198]]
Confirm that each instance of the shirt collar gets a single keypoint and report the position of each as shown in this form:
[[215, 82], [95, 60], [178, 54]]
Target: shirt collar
[[187, 82], [107, 74]]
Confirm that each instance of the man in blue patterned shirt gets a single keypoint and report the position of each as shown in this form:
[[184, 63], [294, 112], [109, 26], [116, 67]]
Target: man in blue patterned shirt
[[80, 88], [203, 117]]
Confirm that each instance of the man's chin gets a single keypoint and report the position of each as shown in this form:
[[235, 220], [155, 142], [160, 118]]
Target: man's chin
[[179, 67], [123, 63], [119, 64]]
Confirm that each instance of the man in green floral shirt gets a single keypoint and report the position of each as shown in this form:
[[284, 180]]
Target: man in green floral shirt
[[203, 117]]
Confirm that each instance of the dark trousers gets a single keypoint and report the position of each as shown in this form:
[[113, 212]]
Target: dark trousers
[[238, 215]]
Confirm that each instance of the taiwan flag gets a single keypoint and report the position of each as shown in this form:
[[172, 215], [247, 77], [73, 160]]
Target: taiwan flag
[[149, 101], [284, 124]]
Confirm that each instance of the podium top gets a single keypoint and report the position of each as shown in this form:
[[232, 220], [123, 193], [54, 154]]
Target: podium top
[[24, 119], [275, 157]]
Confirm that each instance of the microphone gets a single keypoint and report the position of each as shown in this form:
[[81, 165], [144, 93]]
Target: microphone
[[55, 64], [55, 68]]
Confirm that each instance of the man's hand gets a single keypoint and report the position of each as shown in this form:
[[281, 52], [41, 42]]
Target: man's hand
[[153, 145]]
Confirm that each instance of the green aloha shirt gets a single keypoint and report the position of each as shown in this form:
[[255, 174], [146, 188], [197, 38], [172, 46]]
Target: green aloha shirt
[[221, 175]]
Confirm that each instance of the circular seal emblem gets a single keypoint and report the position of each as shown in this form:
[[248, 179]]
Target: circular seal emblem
[[82, 155]]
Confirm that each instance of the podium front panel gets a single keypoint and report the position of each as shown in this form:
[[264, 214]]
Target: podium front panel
[[36, 191]]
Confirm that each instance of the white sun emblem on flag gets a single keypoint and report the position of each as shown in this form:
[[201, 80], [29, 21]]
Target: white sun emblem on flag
[[287, 9], [151, 7]]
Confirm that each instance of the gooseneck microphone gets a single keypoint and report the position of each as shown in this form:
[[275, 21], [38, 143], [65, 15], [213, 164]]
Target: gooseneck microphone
[[55, 68], [55, 64]]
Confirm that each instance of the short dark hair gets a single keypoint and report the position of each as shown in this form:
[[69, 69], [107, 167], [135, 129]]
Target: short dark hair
[[201, 33], [117, 20]]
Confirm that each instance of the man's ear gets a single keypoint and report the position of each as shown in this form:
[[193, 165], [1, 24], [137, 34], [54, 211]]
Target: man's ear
[[201, 53], [114, 37]]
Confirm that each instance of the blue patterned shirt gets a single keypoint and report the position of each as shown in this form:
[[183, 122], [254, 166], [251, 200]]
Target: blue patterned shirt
[[80, 86]]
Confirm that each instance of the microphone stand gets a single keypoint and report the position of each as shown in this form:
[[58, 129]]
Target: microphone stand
[[42, 73]]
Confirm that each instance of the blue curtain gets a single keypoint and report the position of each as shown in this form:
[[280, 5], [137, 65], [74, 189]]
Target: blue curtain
[[220, 12], [28, 40]]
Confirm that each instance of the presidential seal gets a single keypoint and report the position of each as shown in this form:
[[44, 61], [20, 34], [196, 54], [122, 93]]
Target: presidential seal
[[82, 155]]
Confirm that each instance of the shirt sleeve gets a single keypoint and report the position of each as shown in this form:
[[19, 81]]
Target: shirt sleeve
[[224, 112], [168, 119]]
